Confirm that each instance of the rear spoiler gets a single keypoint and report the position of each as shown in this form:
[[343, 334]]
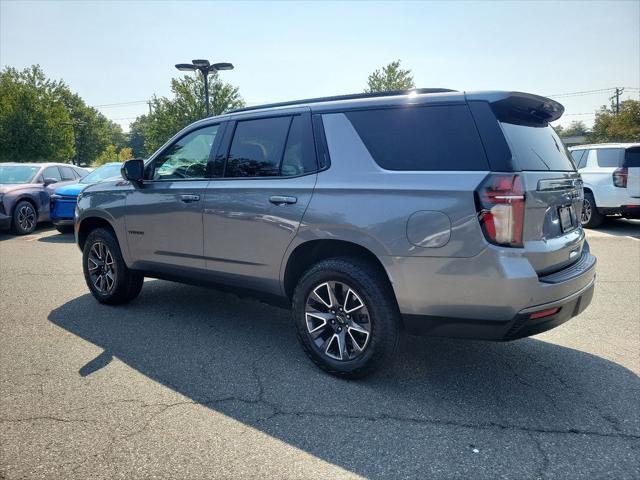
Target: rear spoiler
[[521, 108]]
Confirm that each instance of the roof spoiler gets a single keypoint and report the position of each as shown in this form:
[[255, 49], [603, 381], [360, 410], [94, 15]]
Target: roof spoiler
[[525, 109]]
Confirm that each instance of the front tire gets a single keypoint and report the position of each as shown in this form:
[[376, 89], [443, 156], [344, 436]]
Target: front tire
[[25, 218], [346, 317], [105, 272], [590, 217]]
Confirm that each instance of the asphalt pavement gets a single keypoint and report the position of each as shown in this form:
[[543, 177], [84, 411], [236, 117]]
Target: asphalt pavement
[[192, 383]]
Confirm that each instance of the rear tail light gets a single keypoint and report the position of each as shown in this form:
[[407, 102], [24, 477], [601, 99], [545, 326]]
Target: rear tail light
[[544, 313], [500, 203], [620, 177]]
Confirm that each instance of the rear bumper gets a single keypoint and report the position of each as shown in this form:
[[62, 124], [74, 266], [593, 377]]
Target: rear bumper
[[489, 296], [630, 211], [520, 326]]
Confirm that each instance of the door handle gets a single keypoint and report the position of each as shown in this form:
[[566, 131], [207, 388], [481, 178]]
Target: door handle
[[189, 198], [282, 200]]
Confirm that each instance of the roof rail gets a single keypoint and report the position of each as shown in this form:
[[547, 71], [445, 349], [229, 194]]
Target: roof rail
[[352, 96]]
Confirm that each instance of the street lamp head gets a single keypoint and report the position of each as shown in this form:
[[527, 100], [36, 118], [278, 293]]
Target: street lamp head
[[185, 67], [200, 63], [221, 66]]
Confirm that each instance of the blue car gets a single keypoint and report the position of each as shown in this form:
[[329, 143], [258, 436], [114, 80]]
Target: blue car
[[64, 199]]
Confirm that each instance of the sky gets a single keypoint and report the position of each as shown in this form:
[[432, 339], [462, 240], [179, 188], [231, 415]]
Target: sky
[[117, 52]]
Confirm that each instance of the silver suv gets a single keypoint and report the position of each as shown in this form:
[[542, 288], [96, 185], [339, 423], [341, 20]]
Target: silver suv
[[436, 212]]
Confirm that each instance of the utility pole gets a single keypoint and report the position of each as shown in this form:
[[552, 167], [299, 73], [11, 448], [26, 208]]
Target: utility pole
[[149, 103], [617, 97]]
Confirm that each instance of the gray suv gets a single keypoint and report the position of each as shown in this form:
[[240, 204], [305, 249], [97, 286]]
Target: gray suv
[[436, 212]]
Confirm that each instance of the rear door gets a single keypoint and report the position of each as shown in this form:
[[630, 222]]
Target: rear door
[[632, 163], [253, 210], [552, 233]]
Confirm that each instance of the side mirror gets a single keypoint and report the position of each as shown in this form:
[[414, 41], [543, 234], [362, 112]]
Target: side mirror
[[49, 181], [133, 170]]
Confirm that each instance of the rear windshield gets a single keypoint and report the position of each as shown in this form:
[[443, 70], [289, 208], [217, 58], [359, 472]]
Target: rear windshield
[[442, 137], [536, 148], [632, 157]]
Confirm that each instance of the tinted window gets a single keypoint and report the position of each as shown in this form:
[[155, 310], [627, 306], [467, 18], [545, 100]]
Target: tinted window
[[187, 158], [632, 157], [536, 147], [299, 156], [51, 172], [421, 138], [257, 147], [609, 157], [67, 173]]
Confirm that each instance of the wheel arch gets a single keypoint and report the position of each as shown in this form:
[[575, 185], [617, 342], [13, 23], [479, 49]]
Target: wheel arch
[[308, 253], [88, 224]]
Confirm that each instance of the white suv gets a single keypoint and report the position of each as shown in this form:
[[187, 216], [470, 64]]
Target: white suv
[[611, 176]]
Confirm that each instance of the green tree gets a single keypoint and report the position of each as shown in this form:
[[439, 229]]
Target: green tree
[[111, 154], [559, 129], [621, 127], [170, 115], [575, 128], [35, 125], [42, 120], [391, 77]]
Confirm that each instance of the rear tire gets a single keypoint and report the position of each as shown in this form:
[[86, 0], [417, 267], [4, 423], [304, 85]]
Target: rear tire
[[25, 218], [590, 218], [105, 272], [64, 228], [347, 346]]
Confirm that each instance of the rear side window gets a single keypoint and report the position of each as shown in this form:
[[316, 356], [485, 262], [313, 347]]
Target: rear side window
[[272, 147], [632, 157], [421, 138], [536, 147], [609, 157]]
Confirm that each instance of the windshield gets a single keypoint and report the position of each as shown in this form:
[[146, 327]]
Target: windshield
[[537, 148], [102, 173], [17, 173]]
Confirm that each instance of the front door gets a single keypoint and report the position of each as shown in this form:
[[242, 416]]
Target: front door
[[164, 215], [253, 212]]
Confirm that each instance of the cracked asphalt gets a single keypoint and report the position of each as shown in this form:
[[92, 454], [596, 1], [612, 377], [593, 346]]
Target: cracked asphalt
[[191, 383]]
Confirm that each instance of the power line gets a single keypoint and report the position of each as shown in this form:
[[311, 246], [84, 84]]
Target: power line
[[585, 92]]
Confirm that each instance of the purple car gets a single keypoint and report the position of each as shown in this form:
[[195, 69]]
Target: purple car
[[25, 189]]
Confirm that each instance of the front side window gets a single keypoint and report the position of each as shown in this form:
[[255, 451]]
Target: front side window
[[187, 158], [577, 155], [51, 172]]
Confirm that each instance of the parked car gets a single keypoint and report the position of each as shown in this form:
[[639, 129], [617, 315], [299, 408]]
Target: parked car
[[64, 199], [611, 176], [25, 189], [439, 212]]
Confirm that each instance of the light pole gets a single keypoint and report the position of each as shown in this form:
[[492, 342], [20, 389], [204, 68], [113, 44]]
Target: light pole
[[205, 68]]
